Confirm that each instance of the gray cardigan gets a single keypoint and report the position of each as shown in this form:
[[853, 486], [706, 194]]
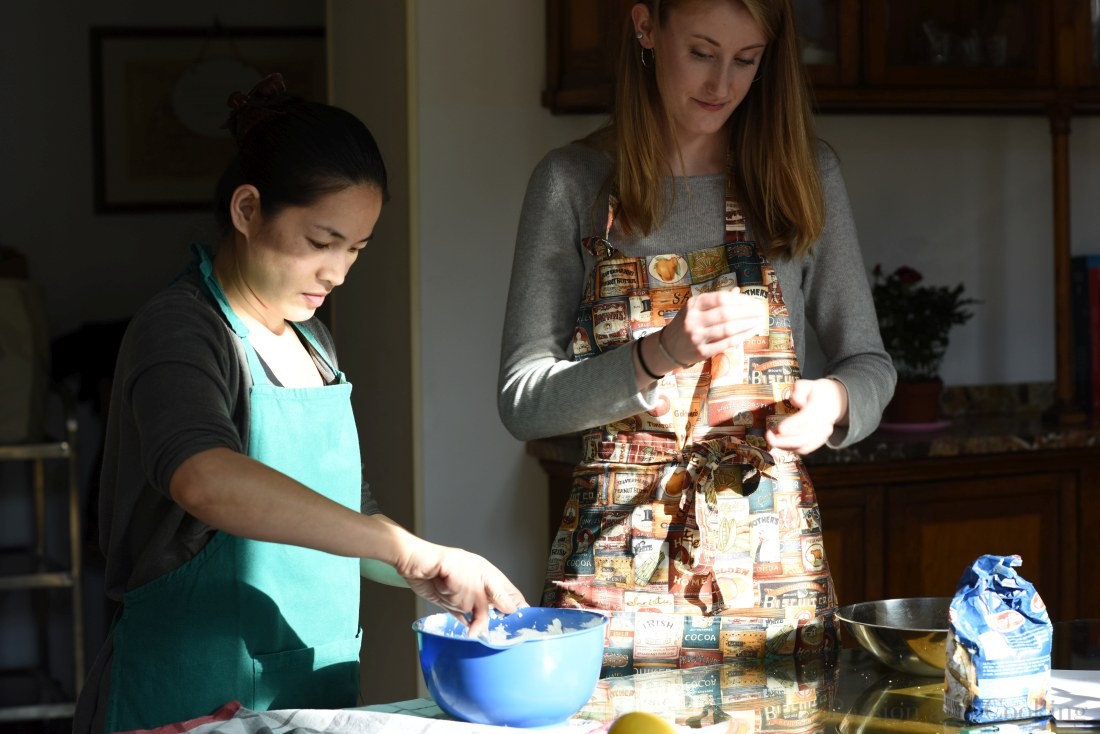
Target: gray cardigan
[[543, 393], [181, 386]]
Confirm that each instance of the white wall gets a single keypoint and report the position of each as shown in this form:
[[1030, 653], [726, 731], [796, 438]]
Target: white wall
[[480, 69], [374, 319], [965, 199]]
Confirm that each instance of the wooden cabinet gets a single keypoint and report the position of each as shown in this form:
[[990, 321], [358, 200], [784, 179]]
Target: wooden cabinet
[[938, 515], [582, 43], [944, 55], [830, 34], [852, 531], [1079, 30], [958, 44]]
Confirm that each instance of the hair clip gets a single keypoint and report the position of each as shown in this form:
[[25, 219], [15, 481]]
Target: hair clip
[[247, 110]]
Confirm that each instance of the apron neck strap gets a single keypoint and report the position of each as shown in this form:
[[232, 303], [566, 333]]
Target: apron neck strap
[[734, 217], [206, 269], [255, 365]]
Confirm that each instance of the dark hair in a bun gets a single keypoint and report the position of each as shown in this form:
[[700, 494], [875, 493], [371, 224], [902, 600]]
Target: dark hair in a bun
[[294, 151]]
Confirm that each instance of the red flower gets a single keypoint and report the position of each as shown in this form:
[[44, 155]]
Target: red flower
[[908, 275]]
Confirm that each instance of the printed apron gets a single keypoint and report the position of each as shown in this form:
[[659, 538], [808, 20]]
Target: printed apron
[[269, 625], [701, 544]]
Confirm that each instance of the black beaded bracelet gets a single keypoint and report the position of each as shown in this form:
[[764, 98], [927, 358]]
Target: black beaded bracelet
[[641, 360]]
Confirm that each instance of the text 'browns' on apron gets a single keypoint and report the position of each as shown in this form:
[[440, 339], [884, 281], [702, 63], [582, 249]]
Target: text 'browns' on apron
[[702, 545]]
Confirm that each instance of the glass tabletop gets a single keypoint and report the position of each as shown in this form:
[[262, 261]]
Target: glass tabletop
[[846, 691]]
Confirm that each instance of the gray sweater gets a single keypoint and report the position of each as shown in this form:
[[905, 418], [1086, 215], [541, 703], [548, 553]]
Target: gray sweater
[[543, 393]]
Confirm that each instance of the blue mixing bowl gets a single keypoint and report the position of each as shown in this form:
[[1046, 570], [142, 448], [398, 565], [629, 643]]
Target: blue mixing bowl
[[538, 681]]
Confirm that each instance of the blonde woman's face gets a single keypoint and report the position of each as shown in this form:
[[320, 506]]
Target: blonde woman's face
[[706, 56]]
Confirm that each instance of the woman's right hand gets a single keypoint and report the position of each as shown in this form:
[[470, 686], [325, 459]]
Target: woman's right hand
[[459, 581], [711, 323]]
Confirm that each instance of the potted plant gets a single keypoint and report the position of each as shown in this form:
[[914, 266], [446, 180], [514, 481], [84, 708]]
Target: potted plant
[[915, 321]]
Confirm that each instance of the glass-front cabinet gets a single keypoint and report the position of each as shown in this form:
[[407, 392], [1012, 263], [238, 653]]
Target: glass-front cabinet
[[1085, 19], [958, 43], [1093, 27], [828, 34], [997, 55]]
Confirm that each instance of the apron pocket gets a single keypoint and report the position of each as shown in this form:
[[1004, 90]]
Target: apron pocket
[[323, 677]]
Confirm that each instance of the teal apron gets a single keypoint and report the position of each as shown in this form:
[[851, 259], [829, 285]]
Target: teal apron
[[269, 625]]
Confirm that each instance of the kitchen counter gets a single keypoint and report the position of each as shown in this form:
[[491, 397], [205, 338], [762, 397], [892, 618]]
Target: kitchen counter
[[848, 692], [978, 420]]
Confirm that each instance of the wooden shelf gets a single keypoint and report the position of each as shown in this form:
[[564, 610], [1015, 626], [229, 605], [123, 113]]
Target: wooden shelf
[[31, 569]]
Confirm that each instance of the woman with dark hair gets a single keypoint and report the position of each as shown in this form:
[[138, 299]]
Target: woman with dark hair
[[233, 513], [665, 271]]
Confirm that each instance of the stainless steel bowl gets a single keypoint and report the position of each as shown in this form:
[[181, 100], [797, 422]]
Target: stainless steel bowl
[[909, 635]]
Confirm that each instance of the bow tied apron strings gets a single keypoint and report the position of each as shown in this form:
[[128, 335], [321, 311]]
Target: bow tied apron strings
[[712, 501]]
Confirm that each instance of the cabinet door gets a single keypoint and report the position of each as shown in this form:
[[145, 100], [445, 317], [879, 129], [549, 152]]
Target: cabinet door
[[582, 44], [828, 34], [958, 43], [1081, 21], [851, 528], [935, 530]]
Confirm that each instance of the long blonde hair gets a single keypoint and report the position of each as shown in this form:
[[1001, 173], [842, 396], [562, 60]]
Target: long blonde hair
[[772, 138]]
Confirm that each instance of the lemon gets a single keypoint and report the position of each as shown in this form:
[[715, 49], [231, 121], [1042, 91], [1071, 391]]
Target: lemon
[[639, 722]]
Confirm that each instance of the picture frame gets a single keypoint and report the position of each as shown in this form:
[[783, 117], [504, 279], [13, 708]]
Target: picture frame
[[159, 103]]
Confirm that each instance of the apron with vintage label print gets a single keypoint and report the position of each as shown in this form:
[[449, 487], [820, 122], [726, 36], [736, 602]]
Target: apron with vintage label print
[[700, 543]]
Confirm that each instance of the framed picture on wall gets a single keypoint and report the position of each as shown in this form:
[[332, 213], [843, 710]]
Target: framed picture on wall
[[159, 101]]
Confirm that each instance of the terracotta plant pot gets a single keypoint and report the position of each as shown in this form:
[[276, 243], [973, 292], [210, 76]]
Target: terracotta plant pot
[[914, 401]]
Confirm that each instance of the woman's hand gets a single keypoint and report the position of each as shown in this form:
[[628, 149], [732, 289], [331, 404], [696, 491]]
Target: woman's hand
[[459, 581], [710, 323], [822, 405]]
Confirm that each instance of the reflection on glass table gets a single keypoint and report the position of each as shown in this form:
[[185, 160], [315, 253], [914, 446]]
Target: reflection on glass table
[[847, 691]]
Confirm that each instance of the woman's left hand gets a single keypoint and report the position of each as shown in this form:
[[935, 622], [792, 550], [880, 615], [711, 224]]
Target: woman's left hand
[[822, 404]]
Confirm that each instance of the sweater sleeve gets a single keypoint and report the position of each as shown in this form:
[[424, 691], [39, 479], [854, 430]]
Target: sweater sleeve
[[541, 391], [178, 378], [840, 308]]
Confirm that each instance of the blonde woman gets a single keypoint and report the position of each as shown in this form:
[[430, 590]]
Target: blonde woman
[[685, 247]]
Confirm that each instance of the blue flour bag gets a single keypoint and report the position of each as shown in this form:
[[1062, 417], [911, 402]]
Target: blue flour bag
[[998, 645]]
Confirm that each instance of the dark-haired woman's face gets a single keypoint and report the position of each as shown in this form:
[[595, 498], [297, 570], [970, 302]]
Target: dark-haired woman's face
[[291, 262]]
